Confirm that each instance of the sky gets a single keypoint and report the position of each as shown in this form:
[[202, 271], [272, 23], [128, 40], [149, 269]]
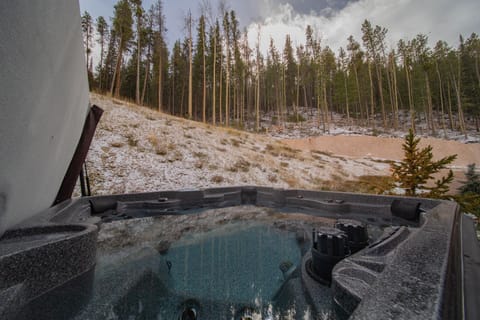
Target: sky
[[332, 20]]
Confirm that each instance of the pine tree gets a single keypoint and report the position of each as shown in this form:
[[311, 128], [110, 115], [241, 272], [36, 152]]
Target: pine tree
[[102, 31], [137, 7], [469, 197], [189, 26], [122, 24], [473, 181], [158, 29], [417, 168], [87, 28]]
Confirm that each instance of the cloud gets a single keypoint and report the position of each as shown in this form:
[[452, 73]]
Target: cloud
[[438, 19]]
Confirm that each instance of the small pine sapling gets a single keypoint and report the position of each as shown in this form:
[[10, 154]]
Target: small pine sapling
[[473, 181], [469, 197], [417, 168]]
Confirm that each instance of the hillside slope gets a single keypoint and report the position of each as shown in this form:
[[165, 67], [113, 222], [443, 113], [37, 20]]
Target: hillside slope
[[136, 149]]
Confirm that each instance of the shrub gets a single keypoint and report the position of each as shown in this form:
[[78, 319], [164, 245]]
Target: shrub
[[417, 169]]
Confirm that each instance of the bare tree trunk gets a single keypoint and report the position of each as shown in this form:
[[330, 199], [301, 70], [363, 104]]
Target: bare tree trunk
[[325, 104], [118, 80], [190, 65], [117, 67], [477, 70], [227, 86], [442, 104], [358, 90], [380, 90], [430, 105], [147, 73], [410, 98], [284, 97], [346, 98], [450, 113], [139, 57], [372, 100], [297, 100], [305, 100], [390, 88], [160, 91], [214, 85], [461, 119], [257, 105], [395, 94], [220, 108], [204, 102], [100, 75], [173, 94]]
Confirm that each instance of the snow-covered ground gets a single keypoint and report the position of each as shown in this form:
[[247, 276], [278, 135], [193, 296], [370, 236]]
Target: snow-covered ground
[[313, 126], [136, 150]]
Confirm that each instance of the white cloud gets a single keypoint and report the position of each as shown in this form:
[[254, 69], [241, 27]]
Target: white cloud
[[439, 19]]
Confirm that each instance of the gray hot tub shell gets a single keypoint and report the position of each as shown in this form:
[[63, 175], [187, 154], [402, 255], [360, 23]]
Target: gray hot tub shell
[[416, 277]]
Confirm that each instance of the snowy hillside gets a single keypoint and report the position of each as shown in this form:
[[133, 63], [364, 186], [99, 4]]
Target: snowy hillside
[[136, 149]]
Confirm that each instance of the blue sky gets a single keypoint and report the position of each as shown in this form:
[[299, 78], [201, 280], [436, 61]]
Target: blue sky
[[333, 20]]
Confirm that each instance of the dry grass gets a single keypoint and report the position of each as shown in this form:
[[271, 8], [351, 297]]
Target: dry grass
[[241, 165], [234, 132], [161, 150], [235, 142], [217, 179], [131, 139], [117, 144], [212, 167], [282, 150], [364, 184], [200, 155], [323, 153], [284, 164], [272, 178], [292, 181]]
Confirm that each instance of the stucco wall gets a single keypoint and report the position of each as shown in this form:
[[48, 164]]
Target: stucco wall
[[43, 102]]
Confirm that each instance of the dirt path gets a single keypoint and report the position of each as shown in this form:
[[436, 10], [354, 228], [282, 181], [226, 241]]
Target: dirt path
[[386, 148], [359, 147]]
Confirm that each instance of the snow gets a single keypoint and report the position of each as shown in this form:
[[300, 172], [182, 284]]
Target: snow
[[340, 126], [136, 149]]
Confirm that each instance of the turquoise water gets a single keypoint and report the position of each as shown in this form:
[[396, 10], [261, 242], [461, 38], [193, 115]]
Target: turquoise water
[[236, 270], [239, 263]]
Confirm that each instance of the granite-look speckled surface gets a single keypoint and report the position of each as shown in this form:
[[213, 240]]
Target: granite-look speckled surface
[[35, 260], [402, 278], [413, 284]]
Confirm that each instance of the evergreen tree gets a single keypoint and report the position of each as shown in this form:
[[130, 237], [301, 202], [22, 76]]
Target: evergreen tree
[[417, 168], [103, 35], [199, 69], [122, 24], [290, 72], [228, 81], [87, 28], [161, 52], [473, 181], [469, 198], [189, 26], [137, 8]]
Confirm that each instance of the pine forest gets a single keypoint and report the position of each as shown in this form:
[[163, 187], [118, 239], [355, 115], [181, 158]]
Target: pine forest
[[214, 75]]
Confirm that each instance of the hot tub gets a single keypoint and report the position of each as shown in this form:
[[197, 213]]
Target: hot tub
[[239, 253]]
